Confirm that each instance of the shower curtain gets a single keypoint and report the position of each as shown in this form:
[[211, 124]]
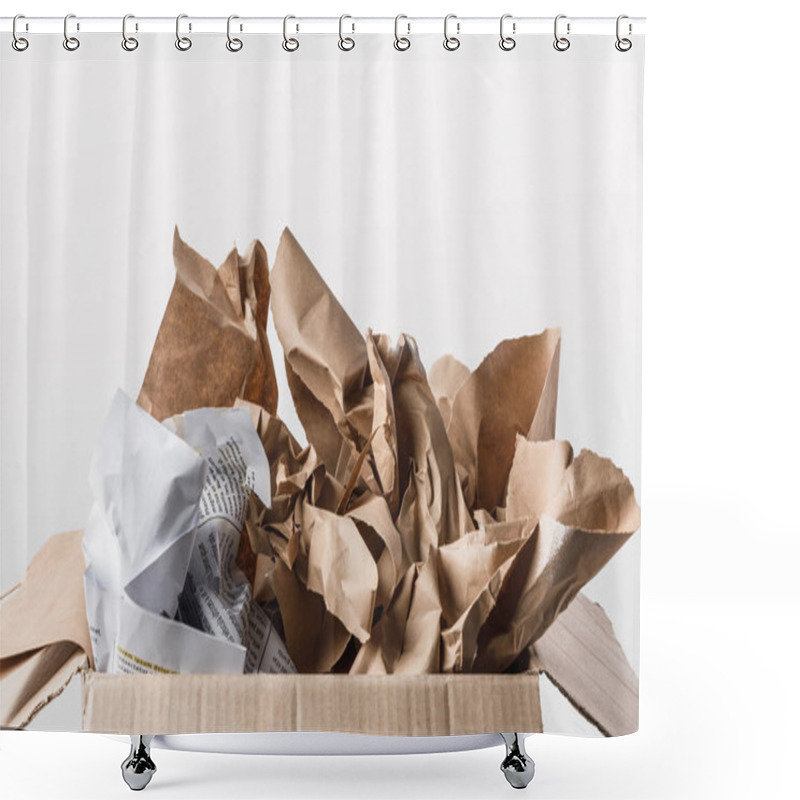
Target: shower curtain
[[443, 302]]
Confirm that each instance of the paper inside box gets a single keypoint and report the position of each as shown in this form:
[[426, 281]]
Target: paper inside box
[[41, 651], [431, 532]]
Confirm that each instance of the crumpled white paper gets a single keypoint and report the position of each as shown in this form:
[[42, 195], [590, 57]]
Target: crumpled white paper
[[163, 591]]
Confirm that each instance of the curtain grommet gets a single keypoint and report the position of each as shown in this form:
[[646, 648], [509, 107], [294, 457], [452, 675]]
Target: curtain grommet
[[233, 44], [507, 43], [71, 43], [182, 43], [451, 43], [129, 43], [346, 43], [561, 43], [290, 43], [19, 43], [401, 43]]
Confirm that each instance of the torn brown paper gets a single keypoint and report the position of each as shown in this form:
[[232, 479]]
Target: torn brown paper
[[323, 350], [383, 478], [337, 452], [261, 384], [513, 391], [536, 474], [369, 550], [471, 572], [338, 566], [44, 635], [446, 377], [433, 511], [421, 640], [380, 654], [366, 405], [315, 639], [373, 518], [590, 515], [583, 658], [406, 639], [211, 347], [297, 479]]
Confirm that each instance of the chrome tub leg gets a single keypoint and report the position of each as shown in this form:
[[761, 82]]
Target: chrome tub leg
[[517, 766], [138, 768]]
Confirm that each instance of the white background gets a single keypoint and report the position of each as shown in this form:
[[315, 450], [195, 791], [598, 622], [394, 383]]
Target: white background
[[464, 198], [720, 603]]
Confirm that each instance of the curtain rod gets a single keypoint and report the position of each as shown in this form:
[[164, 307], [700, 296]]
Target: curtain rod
[[324, 25]]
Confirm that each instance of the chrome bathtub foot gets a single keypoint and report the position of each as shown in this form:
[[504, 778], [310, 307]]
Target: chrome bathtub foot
[[138, 768], [517, 766]]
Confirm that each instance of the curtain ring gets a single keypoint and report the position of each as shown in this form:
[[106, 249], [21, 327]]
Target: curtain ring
[[290, 44], [451, 42], [346, 43], [233, 44], [561, 43], [507, 42], [401, 43], [623, 44], [129, 43], [183, 43], [70, 42], [19, 43]]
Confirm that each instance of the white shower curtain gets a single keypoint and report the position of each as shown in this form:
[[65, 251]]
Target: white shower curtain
[[463, 197]]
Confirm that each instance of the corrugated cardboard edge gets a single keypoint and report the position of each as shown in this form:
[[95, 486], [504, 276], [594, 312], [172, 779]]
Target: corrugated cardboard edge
[[381, 705], [60, 661], [582, 657]]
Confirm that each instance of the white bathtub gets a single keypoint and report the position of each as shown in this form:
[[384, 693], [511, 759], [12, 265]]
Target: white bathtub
[[138, 768], [324, 744]]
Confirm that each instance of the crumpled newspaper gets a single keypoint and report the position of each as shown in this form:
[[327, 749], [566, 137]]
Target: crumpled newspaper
[[432, 522], [163, 590]]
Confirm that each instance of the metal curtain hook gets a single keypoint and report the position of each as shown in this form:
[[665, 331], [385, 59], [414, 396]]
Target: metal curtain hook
[[233, 44], [623, 44], [561, 43], [70, 42], [346, 42], [451, 42], [129, 43], [181, 42], [290, 44], [507, 42], [19, 43], [401, 42]]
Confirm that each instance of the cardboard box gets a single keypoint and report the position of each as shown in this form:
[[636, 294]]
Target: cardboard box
[[44, 643], [388, 705], [439, 496]]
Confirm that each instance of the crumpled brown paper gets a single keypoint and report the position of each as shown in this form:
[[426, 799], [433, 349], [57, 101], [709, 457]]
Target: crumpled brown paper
[[513, 391], [482, 527], [588, 513], [212, 344], [432, 522], [326, 359]]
